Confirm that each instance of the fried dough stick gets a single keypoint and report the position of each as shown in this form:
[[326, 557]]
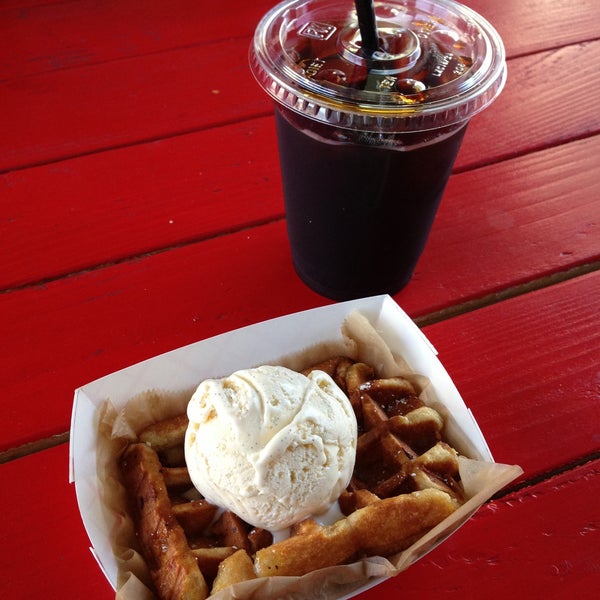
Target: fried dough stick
[[172, 564], [381, 528]]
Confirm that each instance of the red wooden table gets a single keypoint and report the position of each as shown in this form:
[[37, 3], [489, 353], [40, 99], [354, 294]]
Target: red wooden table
[[140, 210]]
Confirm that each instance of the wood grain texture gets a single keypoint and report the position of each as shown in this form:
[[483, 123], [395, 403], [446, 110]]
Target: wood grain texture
[[528, 369], [541, 216], [114, 205], [526, 116], [38, 37], [43, 544], [99, 107], [544, 537], [111, 318], [539, 543], [491, 234], [41, 37], [528, 26], [62, 114]]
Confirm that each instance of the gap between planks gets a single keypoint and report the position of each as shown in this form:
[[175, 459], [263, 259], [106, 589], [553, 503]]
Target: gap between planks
[[523, 484], [139, 142], [33, 447], [528, 482], [521, 153], [137, 257], [422, 321], [505, 294]]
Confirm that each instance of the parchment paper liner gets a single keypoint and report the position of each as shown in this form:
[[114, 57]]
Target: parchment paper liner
[[481, 479]]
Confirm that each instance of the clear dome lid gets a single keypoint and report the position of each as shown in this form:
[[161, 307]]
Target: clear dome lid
[[438, 63]]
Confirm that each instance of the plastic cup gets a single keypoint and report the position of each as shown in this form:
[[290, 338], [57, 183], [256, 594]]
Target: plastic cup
[[367, 141]]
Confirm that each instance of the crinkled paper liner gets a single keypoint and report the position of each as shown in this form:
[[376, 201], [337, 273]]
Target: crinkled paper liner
[[480, 480]]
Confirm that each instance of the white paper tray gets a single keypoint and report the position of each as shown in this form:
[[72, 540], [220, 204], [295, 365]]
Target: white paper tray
[[261, 343]]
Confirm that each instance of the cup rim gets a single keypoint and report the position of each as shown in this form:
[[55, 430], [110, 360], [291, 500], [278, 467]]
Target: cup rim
[[444, 105]]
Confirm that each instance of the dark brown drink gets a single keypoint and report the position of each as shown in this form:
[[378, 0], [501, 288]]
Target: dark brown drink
[[358, 215]]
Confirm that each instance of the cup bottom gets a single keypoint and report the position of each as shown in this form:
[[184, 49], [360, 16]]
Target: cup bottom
[[354, 293]]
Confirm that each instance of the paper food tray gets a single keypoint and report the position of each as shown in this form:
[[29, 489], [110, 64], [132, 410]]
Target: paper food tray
[[261, 343]]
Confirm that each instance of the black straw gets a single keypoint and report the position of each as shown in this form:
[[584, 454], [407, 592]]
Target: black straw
[[367, 24]]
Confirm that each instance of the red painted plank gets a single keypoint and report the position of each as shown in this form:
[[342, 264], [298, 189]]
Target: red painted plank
[[157, 195], [127, 101], [24, 5], [528, 369], [543, 539], [43, 545], [508, 223], [535, 25], [97, 322], [147, 98], [173, 192], [58, 35], [539, 543], [524, 117], [36, 37]]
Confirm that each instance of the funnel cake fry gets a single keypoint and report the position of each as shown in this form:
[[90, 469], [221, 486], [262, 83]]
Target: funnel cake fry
[[172, 565], [405, 482]]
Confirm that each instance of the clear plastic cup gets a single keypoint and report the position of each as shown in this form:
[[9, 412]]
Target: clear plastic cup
[[367, 141]]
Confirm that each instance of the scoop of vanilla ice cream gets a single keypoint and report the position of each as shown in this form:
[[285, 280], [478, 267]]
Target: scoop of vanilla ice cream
[[270, 444]]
